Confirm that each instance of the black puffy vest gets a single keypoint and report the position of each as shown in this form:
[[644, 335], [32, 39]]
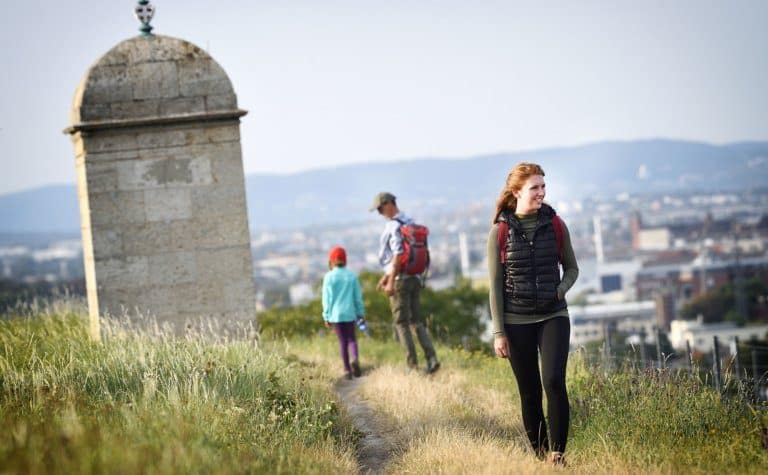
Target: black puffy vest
[[531, 270]]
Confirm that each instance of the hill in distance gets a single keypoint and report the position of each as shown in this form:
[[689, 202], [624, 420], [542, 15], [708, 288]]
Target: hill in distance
[[343, 194]]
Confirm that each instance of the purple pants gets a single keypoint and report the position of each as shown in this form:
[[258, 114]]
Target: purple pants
[[345, 331]]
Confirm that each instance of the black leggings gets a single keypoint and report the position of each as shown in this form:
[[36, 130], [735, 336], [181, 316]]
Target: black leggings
[[551, 339]]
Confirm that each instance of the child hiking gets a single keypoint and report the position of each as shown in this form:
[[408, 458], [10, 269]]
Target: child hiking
[[342, 305]]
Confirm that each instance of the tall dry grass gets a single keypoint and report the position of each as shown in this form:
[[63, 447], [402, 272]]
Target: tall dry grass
[[447, 424], [144, 402], [141, 401], [466, 417], [455, 421]]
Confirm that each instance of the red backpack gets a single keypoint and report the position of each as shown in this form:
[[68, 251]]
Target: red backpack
[[503, 231], [415, 257]]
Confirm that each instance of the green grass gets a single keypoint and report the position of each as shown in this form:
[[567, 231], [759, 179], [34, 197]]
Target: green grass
[[638, 421], [144, 403], [665, 419]]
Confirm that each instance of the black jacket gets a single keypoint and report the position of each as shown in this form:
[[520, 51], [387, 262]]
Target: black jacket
[[532, 267]]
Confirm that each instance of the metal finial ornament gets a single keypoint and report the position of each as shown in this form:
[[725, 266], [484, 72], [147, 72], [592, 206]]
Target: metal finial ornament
[[144, 12]]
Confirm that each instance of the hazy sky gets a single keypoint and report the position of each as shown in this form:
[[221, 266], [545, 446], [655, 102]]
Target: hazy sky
[[329, 82]]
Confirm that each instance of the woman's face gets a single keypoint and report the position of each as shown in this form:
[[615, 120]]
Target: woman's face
[[531, 195]]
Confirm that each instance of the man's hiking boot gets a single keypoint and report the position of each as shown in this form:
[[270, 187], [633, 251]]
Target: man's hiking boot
[[356, 369], [432, 365]]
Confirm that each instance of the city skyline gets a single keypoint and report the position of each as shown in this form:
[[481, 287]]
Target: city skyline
[[359, 82]]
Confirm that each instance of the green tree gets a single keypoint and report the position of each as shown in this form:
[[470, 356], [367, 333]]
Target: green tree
[[719, 304], [450, 314], [291, 321], [736, 317], [712, 306], [455, 312]]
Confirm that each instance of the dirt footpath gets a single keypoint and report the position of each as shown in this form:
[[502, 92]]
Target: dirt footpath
[[375, 448]]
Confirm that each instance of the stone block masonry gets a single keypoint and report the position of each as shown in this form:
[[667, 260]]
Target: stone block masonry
[[155, 126]]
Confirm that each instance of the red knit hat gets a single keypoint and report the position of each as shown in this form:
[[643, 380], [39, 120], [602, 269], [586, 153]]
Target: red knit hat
[[338, 255]]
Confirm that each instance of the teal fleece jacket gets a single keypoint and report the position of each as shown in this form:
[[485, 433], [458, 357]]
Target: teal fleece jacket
[[342, 296]]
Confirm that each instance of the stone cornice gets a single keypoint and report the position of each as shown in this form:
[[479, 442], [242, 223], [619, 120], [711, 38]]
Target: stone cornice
[[154, 121]]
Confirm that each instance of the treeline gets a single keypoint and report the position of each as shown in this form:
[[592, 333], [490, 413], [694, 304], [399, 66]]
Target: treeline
[[453, 316], [730, 303], [18, 296]]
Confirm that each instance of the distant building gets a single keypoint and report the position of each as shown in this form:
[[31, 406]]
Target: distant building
[[292, 267], [464, 254], [648, 239], [301, 293], [656, 239], [685, 281], [665, 309], [585, 331], [589, 322], [701, 335], [619, 276]]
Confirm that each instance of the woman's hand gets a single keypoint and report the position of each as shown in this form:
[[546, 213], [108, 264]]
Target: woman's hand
[[501, 346], [327, 323]]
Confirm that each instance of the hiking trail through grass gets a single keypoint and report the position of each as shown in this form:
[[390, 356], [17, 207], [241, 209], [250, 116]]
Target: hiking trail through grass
[[375, 448]]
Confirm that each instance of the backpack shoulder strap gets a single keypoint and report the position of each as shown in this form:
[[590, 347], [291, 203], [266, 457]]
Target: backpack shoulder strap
[[501, 238], [402, 224], [557, 224]]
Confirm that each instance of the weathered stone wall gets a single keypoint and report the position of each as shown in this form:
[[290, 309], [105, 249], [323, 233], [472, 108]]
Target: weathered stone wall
[[161, 186]]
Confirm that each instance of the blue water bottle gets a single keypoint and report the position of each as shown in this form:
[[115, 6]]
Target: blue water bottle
[[362, 325]]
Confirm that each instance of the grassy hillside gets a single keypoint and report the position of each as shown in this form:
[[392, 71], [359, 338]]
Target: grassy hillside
[[465, 418], [144, 403]]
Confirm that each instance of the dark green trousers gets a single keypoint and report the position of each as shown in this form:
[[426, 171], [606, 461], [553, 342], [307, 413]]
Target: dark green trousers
[[406, 315]]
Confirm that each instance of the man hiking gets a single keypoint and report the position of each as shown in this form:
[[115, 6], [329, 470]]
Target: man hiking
[[403, 255]]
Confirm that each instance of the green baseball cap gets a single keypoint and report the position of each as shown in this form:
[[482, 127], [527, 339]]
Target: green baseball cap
[[380, 199]]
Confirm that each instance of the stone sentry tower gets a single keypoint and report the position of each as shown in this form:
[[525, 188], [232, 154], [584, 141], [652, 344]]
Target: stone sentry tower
[[156, 131]]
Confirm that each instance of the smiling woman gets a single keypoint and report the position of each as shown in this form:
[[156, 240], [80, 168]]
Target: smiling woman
[[527, 244]]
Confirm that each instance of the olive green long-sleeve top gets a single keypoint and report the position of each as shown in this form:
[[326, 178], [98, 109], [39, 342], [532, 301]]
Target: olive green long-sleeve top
[[496, 277]]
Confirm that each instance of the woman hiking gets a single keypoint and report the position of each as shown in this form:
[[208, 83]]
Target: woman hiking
[[527, 244]]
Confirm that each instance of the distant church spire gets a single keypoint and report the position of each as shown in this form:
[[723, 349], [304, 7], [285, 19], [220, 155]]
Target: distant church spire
[[144, 12]]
